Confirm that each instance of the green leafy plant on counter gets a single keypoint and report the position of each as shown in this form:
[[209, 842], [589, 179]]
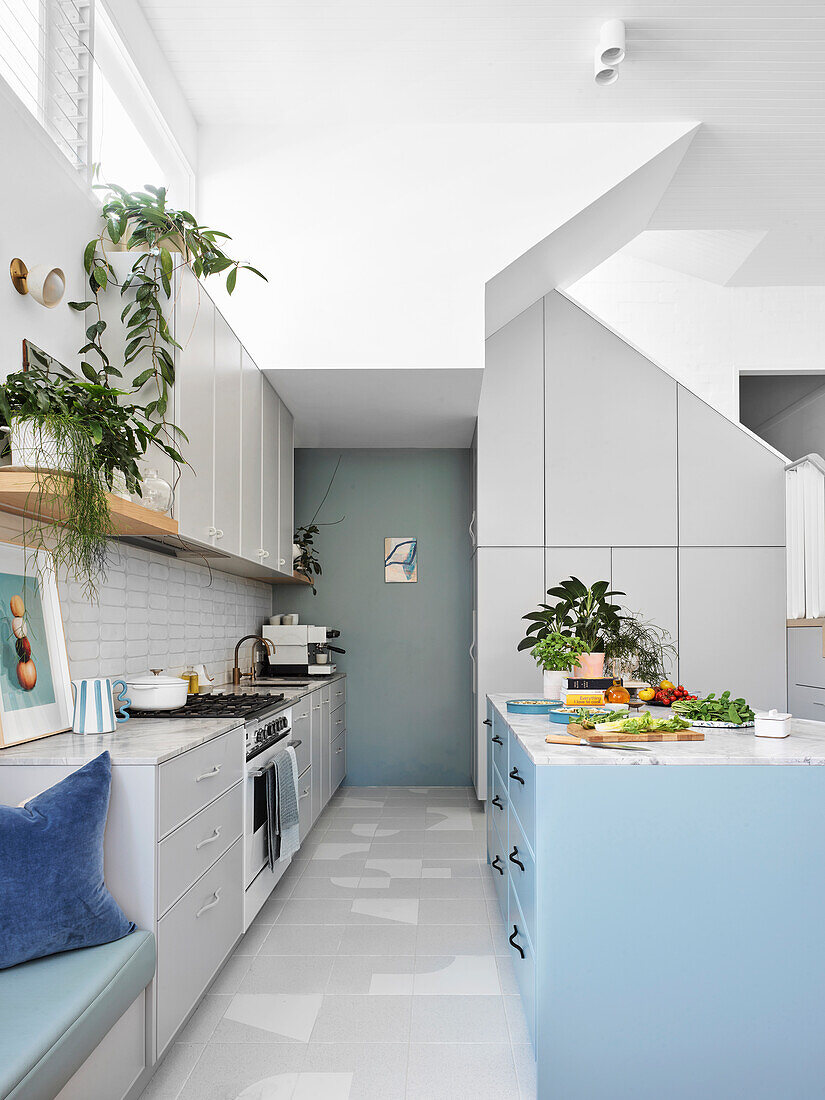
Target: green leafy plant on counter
[[557, 652], [639, 645], [84, 434], [581, 611], [163, 239]]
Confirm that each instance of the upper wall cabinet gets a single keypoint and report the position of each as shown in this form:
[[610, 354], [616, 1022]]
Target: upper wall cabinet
[[510, 475], [610, 436], [236, 493], [731, 486], [195, 408]]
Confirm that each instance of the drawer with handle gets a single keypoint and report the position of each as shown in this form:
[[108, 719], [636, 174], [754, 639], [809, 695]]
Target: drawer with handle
[[338, 693], [522, 869], [338, 722], [497, 855], [337, 762], [498, 742], [195, 937], [301, 741], [524, 963], [521, 788], [499, 802], [196, 778], [304, 803], [191, 849]]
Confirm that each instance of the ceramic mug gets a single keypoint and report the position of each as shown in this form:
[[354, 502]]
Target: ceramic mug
[[94, 710]]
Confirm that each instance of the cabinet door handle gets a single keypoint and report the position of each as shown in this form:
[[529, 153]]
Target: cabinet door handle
[[281, 561], [512, 940], [212, 532], [513, 857], [318, 707], [499, 805], [496, 739], [304, 793], [209, 774], [486, 722], [339, 750], [304, 715], [515, 775], [339, 693], [219, 533], [210, 904], [208, 839], [497, 864]]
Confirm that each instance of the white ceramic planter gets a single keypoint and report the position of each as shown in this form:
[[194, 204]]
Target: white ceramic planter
[[35, 449], [553, 685]]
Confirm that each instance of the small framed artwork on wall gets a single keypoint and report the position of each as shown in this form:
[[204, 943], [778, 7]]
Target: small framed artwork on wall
[[400, 560], [35, 689]]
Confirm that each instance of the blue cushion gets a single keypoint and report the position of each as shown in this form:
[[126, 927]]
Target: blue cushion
[[55, 1011], [52, 893]]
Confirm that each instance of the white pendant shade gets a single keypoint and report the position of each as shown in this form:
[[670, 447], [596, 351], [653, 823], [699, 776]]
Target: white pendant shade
[[603, 74], [47, 285]]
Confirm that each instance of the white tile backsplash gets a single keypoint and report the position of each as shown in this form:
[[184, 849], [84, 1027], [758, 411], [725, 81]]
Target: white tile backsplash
[[164, 614]]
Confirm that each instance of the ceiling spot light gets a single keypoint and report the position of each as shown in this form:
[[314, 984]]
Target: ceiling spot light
[[612, 43], [603, 74]]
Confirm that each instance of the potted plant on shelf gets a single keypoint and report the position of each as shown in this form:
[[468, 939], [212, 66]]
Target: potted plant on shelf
[[83, 439], [555, 654], [583, 612]]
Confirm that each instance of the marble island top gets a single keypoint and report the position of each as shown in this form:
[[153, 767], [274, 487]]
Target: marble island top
[[806, 744], [144, 740]]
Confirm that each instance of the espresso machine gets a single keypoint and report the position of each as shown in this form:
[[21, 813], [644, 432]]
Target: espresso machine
[[300, 651]]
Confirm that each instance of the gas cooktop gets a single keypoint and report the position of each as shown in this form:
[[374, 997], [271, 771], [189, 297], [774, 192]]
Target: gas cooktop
[[217, 706]]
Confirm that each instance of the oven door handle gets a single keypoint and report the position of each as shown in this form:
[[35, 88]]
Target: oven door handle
[[293, 744]]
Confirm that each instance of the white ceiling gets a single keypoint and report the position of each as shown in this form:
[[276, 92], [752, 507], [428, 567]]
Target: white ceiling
[[751, 72], [380, 408]]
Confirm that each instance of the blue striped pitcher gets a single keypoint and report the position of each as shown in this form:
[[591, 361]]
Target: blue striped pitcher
[[94, 710]]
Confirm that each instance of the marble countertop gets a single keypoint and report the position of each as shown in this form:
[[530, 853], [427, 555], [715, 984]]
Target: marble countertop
[[291, 694], [145, 740], [806, 744]]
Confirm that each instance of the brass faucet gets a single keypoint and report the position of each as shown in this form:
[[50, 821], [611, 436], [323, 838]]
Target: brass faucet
[[237, 675]]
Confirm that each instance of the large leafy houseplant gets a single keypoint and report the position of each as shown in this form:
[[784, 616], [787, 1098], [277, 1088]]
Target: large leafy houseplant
[[84, 434], [581, 611]]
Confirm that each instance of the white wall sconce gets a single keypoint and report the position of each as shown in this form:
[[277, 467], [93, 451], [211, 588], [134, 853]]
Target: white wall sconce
[[47, 285], [610, 52]]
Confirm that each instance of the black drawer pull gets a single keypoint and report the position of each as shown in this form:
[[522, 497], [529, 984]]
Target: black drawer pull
[[497, 739], [497, 864], [512, 941], [515, 775], [499, 805], [487, 722], [513, 858]]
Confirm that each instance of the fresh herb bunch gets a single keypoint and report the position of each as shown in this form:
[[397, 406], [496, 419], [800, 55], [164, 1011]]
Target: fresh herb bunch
[[711, 709], [158, 233], [557, 652], [648, 646], [581, 611]]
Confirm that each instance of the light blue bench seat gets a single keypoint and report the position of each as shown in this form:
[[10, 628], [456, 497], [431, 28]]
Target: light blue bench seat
[[54, 1011]]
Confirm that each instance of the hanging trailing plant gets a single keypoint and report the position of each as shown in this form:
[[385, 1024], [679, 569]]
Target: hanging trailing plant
[[164, 239], [307, 562]]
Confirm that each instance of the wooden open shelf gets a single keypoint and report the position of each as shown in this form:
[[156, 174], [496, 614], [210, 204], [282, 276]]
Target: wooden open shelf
[[296, 578], [20, 495]]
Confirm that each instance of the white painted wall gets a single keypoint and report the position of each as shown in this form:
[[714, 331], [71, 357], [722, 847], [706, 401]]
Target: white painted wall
[[703, 333], [378, 240]]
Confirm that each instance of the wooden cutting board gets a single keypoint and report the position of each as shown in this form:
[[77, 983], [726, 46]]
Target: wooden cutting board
[[597, 737]]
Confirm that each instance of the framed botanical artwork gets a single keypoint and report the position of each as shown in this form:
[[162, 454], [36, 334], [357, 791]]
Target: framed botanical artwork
[[35, 689], [400, 560]]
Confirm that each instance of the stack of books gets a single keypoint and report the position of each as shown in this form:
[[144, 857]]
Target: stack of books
[[578, 692]]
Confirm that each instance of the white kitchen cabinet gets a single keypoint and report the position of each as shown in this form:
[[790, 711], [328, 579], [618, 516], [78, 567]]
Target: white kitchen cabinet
[[286, 449], [588, 563], [731, 485], [270, 452], [227, 439], [610, 435], [510, 431], [314, 702], [252, 383], [326, 744], [649, 577], [194, 409]]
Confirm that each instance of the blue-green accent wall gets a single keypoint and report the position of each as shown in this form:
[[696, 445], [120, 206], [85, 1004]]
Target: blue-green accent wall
[[407, 662]]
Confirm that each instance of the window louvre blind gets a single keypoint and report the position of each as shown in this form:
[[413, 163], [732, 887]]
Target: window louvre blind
[[45, 57]]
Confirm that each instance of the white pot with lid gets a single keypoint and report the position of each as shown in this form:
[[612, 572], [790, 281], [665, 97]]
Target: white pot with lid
[[153, 691], [771, 723]]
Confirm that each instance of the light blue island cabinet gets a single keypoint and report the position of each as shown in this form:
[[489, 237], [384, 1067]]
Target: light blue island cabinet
[[667, 923]]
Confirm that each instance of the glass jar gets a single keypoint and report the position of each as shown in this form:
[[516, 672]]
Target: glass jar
[[617, 694], [157, 492]]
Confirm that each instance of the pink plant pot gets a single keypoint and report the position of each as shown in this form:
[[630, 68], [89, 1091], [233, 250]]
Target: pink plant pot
[[590, 666]]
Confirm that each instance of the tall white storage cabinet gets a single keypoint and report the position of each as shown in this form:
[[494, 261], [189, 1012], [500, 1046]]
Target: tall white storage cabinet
[[681, 509]]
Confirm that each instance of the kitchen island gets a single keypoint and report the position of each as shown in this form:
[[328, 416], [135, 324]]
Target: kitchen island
[[664, 920]]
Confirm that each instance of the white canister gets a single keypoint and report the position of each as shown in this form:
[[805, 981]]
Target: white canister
[[771, 723], [553, 684]]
